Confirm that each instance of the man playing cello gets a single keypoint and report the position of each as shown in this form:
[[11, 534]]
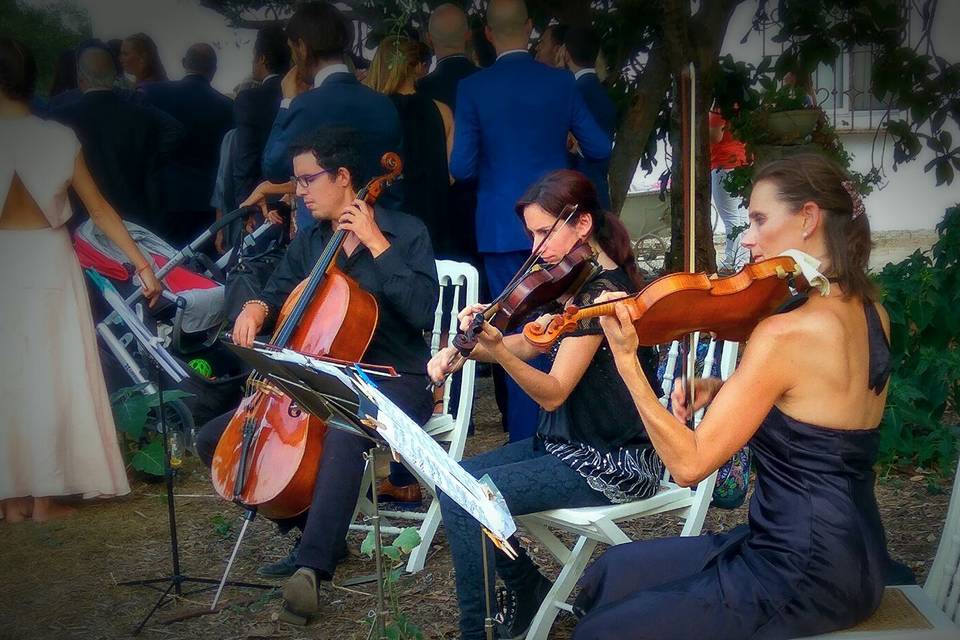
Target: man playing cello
[[389, 255]]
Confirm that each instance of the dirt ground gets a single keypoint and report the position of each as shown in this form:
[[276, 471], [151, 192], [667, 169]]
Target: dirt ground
[[60, 580]]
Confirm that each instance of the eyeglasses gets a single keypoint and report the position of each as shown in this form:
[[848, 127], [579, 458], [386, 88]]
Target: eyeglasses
[[304, 181]]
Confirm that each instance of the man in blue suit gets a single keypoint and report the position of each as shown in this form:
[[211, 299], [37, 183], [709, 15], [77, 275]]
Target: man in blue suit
[[255, 109], [206, 114], [511, 128], [579, 54], [318, 36]]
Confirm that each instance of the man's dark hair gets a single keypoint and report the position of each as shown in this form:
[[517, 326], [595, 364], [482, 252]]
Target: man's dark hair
[[18, 70], [558, 34], [272, 45], [322, 28], [334, 147], [582, 45]]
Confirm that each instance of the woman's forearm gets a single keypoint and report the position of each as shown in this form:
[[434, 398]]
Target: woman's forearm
[[112, 226], [542, 387], [675, 443]]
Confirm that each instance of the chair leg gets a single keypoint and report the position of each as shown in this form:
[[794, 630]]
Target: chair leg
[[558, 594], [428, 529]]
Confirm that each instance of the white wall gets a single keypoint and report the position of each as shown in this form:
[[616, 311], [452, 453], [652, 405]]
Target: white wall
[[175, 25]]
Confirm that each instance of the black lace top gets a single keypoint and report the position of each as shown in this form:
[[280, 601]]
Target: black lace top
[[599, 411]]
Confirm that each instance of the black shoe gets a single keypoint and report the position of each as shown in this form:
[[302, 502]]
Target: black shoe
[[283, 568], [518, 609]]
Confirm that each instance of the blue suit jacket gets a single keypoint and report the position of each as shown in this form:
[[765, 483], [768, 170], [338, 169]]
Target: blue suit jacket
[[206, 115], [342, 101], [605, 113], [511, 128]]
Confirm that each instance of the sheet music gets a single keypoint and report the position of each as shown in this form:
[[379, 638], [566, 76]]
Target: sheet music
[[479, 498], [420, 451]]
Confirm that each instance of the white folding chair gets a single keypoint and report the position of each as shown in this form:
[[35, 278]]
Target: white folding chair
[[595, 525], [459, 287], [912, 613]]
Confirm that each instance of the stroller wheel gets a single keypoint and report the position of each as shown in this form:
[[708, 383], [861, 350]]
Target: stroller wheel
[[179, 419]]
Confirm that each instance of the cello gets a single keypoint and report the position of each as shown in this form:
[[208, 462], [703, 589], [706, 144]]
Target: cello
[[268, 456]]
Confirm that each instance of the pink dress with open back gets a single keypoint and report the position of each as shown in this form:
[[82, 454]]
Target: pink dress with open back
[[57, 434]]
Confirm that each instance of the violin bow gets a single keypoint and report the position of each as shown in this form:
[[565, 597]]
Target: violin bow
[[688, 136]]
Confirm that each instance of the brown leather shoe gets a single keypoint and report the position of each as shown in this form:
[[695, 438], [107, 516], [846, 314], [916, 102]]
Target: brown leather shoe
[[389, 492]]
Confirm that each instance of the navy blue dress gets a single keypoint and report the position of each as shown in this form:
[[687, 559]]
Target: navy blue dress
[[811, 560]]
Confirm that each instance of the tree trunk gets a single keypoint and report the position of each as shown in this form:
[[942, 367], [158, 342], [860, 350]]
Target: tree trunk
[[636, 126], [700, 39]]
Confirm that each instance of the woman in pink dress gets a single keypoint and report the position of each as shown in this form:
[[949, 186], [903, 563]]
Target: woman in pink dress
[[57, 435]]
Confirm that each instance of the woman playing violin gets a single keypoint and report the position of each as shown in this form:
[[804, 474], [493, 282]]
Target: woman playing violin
[[590, 447], [808, 395]]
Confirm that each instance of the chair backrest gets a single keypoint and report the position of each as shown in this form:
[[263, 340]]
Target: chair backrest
[[728, 362], [943, 581], [459, 287]]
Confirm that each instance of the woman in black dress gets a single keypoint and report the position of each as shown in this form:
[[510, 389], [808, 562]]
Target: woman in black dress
[[590, 448], [808, 395], [427, 136]]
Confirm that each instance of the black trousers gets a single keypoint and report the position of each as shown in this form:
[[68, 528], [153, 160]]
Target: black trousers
[[326, 523]]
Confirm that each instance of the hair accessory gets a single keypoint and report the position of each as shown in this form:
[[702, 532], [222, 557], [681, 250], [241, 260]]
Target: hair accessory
[[855, 199]]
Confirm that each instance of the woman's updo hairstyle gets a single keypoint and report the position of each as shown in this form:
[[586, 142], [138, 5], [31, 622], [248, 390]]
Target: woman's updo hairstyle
[[565, 187], [810, 177]]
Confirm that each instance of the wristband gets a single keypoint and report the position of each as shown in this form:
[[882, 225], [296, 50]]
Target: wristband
[[260, 303]]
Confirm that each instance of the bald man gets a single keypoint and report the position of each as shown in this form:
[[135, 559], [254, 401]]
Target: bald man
[[124, 143], [511, 127], [448, 36], [187, 181]]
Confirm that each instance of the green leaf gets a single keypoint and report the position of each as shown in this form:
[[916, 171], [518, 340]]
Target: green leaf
[[130, 415], [391, 552], [221, 526], [407, 540], [368, 545], [168, 397], [149, 459]]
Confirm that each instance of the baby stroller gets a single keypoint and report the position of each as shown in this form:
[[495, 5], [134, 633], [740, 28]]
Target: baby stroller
[[180, 332]]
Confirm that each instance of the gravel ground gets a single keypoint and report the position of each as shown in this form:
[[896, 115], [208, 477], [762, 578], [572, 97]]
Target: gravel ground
[[60, 580]]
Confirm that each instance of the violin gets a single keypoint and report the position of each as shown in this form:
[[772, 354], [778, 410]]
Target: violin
[[539, 286], [678, 304], [268, 456]]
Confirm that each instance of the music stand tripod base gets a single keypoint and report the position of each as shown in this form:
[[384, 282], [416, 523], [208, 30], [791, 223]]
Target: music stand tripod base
[[176, 580]]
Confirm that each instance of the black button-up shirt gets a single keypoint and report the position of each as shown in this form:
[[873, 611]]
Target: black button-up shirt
[[403, 279]]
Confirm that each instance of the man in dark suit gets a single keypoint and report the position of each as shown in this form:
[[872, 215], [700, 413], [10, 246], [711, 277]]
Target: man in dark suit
[[512, 121], [319, 36], [189, 177], [124, 143], [448, 34], [255, 109], [579, 54]]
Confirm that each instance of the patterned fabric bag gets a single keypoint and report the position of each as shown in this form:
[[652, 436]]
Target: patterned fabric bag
[[733, 478]]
